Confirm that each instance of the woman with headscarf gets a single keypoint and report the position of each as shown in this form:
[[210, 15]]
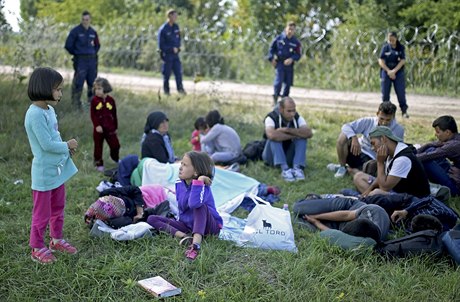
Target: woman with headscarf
[[156, 142]]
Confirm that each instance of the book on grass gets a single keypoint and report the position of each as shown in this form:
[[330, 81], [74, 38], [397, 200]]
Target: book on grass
[[159, 287]]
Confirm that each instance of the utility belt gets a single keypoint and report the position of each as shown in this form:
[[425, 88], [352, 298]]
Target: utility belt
[[280, 59], [163, 55]]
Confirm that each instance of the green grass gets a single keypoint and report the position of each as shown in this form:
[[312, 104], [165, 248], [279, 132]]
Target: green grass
[[106, 270]]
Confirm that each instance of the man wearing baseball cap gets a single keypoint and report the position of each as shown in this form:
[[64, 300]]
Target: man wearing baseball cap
[[398, 169]]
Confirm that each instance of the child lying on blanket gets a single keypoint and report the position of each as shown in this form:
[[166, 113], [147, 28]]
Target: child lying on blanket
[[124, 205]]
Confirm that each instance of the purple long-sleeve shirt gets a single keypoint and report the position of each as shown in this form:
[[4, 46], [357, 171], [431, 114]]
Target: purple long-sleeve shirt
[[193, 196]]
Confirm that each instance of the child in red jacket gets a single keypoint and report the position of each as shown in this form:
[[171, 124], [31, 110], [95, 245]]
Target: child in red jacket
[[105, 123], [200, 127]]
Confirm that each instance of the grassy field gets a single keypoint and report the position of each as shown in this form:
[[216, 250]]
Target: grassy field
[[106, 270]]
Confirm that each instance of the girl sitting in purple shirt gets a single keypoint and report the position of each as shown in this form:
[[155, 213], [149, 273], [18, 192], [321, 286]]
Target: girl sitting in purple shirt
[[197, 210]]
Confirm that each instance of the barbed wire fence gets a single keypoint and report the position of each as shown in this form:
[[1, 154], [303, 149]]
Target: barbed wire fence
[[334, 59]]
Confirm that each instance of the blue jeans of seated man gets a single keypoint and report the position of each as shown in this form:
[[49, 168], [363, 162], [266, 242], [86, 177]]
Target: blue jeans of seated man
[[437, 172], [318, 206], [275, 155]]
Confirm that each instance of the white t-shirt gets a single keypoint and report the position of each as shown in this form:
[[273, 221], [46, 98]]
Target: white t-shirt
[[270, 123], [401, 166]]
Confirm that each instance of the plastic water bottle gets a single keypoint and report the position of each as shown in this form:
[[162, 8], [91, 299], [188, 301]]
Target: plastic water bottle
[[286, 207]]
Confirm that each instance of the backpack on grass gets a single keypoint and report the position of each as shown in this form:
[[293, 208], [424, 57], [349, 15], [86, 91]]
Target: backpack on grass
[[419, 243], [451, 242], [253, 150]]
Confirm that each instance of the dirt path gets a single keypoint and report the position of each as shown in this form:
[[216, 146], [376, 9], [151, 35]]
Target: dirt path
[[344, 101]]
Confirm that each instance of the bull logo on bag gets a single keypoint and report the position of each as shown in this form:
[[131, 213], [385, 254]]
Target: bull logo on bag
[[268, 230], [266, 224]]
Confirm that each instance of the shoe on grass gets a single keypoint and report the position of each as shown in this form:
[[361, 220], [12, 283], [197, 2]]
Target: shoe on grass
[[100, 169], [340, 172], [43, 256], [298, 174], [333, 167], [440, 192], [287, 175], [62, 246], [192, 252]]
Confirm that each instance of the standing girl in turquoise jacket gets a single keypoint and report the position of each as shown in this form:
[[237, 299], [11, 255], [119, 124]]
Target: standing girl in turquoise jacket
[[52, 165]]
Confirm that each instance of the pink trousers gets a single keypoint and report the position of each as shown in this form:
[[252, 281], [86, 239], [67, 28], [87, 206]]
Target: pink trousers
[[48, 210]]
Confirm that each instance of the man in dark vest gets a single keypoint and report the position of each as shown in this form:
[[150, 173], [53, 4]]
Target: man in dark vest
[[398, 169], [286, 133]]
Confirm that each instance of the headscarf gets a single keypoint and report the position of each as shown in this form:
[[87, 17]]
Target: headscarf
[[154, 120], [106, 207]]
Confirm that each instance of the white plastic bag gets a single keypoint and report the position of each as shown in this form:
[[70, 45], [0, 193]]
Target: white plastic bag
[[268, 228]]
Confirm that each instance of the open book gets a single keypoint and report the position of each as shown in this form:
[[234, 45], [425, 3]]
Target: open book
[[159, 287]]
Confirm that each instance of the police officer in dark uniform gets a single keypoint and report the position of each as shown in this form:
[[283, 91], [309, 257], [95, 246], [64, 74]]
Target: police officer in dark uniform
[[392, 60], [284, 50], [83, 44], [169, 47]]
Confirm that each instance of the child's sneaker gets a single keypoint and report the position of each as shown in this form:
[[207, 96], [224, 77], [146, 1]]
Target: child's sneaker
[[287, 175], [62, 246], [100, 169], [333, 167], [43, 256], [192, 252]]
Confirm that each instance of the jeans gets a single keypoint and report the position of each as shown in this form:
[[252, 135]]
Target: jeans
[[275, 154], [318, 206], [437, 172]]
